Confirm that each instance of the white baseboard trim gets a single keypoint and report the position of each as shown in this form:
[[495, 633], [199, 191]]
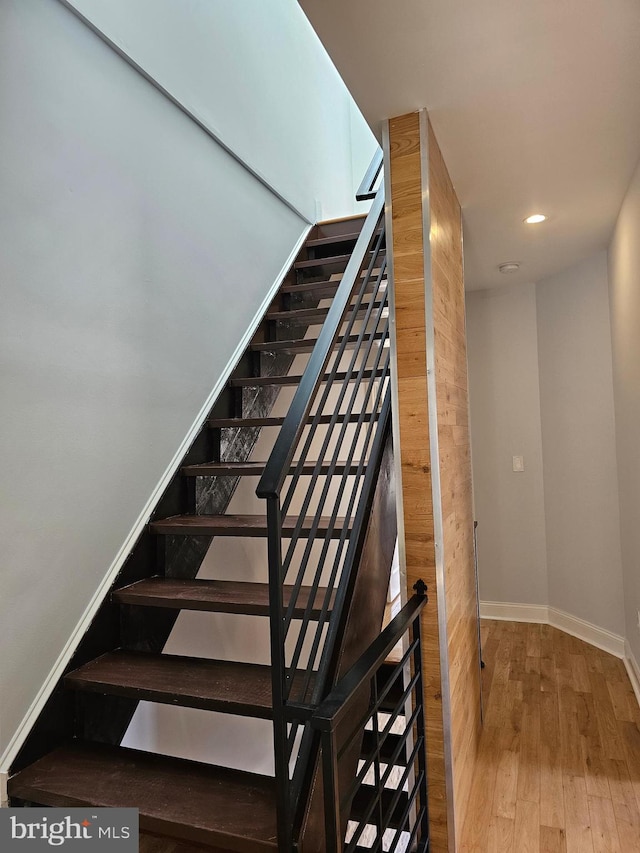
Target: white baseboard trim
[[633, 670], [590, 633], [514, 612], [29, 720], [542, 613]]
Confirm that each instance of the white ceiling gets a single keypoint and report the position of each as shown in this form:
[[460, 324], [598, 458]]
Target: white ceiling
[[535, 103]]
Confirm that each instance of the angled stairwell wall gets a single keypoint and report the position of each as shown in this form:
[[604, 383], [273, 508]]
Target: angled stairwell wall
[[142, 241]]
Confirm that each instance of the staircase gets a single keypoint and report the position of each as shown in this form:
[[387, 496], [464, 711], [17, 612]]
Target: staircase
[[310, 397], [74, 755]]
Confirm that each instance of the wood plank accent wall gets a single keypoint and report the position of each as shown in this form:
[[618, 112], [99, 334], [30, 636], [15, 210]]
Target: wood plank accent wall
[[452, 392], [435, 464]]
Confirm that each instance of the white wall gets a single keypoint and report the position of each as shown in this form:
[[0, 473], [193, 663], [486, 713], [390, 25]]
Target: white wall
[[259, 79], [125, 228], [541, 386], [579, 445], [505, 422], [624, 294]]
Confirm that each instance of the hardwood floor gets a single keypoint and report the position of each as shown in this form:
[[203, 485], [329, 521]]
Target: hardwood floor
[[559, 763]]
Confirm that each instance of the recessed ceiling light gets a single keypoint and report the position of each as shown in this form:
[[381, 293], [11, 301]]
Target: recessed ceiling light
[[535, 218], [509, 267]]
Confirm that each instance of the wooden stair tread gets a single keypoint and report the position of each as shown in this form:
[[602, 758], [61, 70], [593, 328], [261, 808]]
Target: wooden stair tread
[[237, 525], [335, 238], [331, 259], [187, 800], [339, 221], [316, 262], [303, 345], [327, 287], [214, 596], [255, 469], [231, 423], [228, 687], [259, 381], [297, 314]]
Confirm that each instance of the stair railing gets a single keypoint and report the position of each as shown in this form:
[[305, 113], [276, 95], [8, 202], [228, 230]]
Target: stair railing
[[395, 813], [366, 191], [344, 389]]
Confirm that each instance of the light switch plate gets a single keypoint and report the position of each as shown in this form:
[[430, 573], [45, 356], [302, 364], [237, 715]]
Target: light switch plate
[[518, 463]]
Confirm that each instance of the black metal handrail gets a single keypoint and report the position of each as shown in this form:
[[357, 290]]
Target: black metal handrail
[[328, 491], [366, 189], [335, 706], [277, 466], [395, 807]]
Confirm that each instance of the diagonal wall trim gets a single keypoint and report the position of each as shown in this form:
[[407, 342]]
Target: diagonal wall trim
[[119, 49], [54, 676], [609, 642]]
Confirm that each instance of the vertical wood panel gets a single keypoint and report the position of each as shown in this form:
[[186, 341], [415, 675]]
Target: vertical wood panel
[[410, 307], [452, 395], [430, 323]]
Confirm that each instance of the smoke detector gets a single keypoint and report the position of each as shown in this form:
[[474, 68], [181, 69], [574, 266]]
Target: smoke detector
[[509, 267]]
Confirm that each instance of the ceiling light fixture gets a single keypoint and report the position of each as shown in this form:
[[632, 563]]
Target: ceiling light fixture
[[509, 267], [535, 219]]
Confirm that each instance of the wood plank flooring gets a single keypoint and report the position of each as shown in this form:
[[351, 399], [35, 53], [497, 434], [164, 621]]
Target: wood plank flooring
[[559, 763]]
